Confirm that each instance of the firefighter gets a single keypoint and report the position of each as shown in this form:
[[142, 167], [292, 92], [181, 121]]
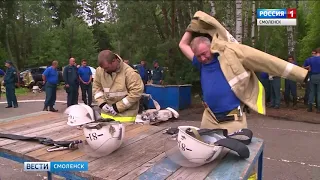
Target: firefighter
[[117, 88], [10, 79]]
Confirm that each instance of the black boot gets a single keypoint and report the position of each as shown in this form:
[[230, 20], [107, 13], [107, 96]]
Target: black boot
[[52, 109], [45, 108], [309, 108]]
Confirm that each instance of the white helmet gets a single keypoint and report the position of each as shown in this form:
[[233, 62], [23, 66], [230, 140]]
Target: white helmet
[[196, 151], [102, 138], [79, 114]]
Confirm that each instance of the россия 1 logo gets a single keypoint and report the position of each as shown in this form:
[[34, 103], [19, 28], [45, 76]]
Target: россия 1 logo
[[277, 17]]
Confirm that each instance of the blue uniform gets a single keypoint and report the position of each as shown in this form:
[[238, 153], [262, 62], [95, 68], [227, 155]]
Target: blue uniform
[[290, 88], [52, 80], [216, 90], [1, 72], [157, 74], [86, 89], [314, 63], [71, 77], [264, 78], [10, 79]]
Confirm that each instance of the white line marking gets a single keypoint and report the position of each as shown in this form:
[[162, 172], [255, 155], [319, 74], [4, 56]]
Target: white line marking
[[35, 100], [288, 161], [293, 130]]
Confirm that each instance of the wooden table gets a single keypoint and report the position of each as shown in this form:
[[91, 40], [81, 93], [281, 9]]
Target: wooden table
[[141, 155]]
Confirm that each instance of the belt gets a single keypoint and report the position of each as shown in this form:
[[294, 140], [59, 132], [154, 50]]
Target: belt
[[118, 118], [229, 117]]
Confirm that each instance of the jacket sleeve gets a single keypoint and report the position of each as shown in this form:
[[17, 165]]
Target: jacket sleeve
[[135, 89], [259, 61], [98, 89]]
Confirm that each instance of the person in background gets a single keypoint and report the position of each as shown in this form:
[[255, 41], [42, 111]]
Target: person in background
[[307, 88], [291, 88], [128, 62], [51, 79], [2, 73], [142, 68], [275, 82], [85, 77], [157, 74], [313, 64], [264, 78], [71, 79], [9, 82]]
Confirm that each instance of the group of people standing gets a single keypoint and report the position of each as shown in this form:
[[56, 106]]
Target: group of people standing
[[272, 85], [73, 76]]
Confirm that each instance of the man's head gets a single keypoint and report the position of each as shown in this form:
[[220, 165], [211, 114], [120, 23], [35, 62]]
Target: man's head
[[290, 59], [8, 64], [155, 64], [108, 61], [201, 49], [143, 62], [318, 51], [55, 64], [126, 61], [72, 61], [314, 52], [84, 62]]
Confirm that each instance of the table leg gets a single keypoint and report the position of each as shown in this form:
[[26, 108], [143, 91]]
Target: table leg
[[260, 165], [49, 175]]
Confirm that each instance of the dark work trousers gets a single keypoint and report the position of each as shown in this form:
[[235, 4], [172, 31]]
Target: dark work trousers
[[267, 87], [73, 94], [314, 89], [307, 93], [86, 90], [290, 88], [11, 95], [51, 94], [275, 91]]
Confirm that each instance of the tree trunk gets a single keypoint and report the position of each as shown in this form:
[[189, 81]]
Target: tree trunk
[[228, 19], [166, 21], [157, 23], [71, 41], [212, 8], [239, 20], [253, 23], [17, 61], [173, 18], [7, 42], [245, 26]]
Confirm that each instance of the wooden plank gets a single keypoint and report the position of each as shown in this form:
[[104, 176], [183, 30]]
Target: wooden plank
[[36, 132], [14, 118], [130, 137], [135, 173], [233, 167], [29, 120], [129, 158], [201, 172]]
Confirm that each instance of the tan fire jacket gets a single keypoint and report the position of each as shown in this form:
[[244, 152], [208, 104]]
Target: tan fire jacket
[[27, 78], [122, 90], [238, 62]]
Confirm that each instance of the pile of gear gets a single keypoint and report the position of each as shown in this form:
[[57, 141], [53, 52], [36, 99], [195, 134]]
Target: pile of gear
[[103, 136], [155, 115]]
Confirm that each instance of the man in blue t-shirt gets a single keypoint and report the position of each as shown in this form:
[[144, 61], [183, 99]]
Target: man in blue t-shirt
[[291, 88], [51, 79], [218, 97], [85, 76], [313, 64], [308, 87], [143, 71]]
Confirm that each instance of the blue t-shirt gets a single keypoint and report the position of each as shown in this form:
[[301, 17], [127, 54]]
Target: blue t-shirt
[[143, 72], [264, 75], [216, 90], [1, 72], [314, 63], [51, 75], [84, 73]]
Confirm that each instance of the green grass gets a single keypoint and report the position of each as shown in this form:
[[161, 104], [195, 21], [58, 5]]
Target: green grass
[[21, 91]]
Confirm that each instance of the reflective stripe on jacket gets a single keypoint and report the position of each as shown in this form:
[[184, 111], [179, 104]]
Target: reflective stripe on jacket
[[122, 88], [239, 62]]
